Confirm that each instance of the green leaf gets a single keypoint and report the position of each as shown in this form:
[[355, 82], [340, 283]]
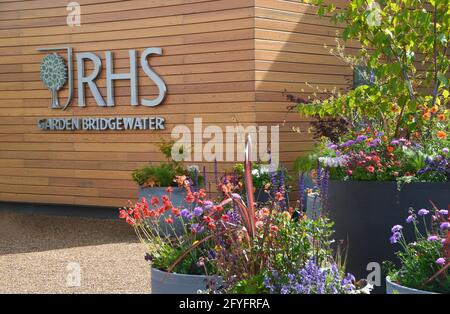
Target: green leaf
[[443, 79]]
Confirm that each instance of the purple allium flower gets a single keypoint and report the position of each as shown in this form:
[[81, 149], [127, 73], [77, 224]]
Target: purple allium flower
[[198, 211], [433, 238], [440, 261], [423, 212], [410, 219], [445, 225], [445, 150], [396, 228], [443, 212]]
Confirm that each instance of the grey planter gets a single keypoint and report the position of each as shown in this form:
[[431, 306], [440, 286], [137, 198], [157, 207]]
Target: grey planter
[[171, 283], [394, 288], [178, 200], [364, 213]]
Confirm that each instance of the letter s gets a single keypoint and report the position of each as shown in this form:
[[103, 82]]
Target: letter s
[[154, 77]]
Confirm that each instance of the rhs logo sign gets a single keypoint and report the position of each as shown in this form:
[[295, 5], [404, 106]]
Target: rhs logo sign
[[56, 72]]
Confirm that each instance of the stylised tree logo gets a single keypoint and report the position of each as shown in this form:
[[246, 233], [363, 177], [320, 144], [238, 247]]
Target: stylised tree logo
[[54, 75]]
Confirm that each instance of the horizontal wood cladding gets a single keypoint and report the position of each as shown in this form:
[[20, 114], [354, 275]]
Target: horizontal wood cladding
[[225, 61], [292, 55]]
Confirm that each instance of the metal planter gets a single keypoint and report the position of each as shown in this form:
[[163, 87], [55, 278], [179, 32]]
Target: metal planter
[[365, 211], [171, 283], [394, 288]]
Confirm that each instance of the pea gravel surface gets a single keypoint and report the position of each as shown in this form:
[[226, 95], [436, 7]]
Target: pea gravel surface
[[45, 254]]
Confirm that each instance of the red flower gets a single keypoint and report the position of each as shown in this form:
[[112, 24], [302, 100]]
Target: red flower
[[207, 219], [176, 212], [168, 206], [123, 214], [371, 169], [129, 221], [225, 218], [273, 228], [169, 190], [165, 198], [137, 215], [212, 226], [279, 196], [190, 198], [169, 220], [154, 201], [201, 193], [217, 208]]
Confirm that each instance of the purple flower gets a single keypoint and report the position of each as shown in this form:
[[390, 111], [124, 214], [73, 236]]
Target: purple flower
[[445, 225], [433, 238], [186, 213], [396, 228], [198, 211], [423, 212], [361, 138], [375, 142], [440, 261], [445, 150], [348, 143], [410, 219], [395, 142], [443, 212], [395, 237], [332, 146], [197, 228]]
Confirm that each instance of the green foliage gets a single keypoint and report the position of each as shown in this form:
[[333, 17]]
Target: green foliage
[[253, 285], [261, 175], [306, 162], [168, 254], [419, 259], [404, 43], [163, 174]]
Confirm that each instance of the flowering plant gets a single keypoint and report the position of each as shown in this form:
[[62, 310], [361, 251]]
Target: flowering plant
[[369, 155], [424, 263], [169, 173], [168, 231]]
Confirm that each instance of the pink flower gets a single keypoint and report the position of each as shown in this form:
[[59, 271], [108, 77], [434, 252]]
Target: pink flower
[[440, 261]]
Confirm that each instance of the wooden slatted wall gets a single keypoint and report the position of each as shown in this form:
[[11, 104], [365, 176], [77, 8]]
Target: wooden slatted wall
[[224, 61], [207, 65]]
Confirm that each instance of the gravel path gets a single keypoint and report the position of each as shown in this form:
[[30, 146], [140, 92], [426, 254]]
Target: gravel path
[[38, 254]]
